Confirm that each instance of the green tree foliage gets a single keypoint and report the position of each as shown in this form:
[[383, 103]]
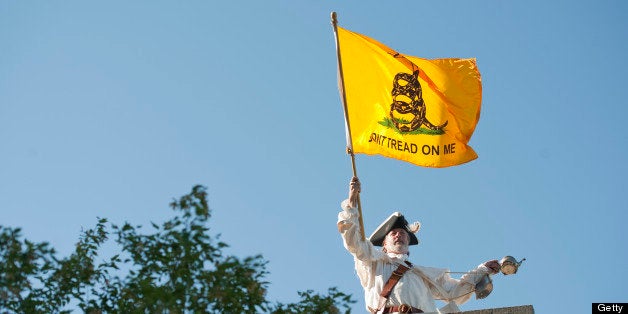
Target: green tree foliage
[[176, 268]]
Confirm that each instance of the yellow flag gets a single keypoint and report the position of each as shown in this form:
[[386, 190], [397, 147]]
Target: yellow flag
[[408, 108]]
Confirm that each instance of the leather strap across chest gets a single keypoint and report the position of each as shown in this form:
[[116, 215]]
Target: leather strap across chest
[[394, 278]]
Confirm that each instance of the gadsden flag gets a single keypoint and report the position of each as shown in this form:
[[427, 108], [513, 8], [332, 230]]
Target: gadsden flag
[[408, 108]]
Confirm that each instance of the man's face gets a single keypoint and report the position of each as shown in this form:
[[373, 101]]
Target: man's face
[[397, 241]]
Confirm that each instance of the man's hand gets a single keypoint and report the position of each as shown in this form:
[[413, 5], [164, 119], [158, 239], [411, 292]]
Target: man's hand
[[354, 191], [493, 266]]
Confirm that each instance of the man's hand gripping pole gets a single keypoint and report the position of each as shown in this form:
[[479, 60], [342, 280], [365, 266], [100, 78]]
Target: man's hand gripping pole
[[354, 193]]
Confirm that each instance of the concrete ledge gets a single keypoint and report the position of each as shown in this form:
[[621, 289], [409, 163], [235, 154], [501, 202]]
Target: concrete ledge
[[523, 309]]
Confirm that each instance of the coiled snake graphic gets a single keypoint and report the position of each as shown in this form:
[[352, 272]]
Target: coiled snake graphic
[[407, 97]]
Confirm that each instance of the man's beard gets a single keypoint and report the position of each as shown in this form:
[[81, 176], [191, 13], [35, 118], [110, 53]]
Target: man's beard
[[396, 247]]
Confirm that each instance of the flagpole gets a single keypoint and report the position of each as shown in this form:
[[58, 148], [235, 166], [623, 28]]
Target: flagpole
[[343, 96]]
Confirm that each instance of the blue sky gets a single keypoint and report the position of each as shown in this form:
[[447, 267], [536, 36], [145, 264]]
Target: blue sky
[[111, 109]]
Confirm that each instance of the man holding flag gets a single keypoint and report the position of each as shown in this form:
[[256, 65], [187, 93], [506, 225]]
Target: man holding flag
[[391, 283], [419, 111]]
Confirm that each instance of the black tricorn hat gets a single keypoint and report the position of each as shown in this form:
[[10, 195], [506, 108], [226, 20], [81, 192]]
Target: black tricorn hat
[[396, 220]]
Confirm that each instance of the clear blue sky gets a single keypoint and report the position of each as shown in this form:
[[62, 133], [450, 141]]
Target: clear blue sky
[[111, 109]]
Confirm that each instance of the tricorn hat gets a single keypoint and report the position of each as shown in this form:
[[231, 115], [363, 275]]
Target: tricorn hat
[[396, 220]]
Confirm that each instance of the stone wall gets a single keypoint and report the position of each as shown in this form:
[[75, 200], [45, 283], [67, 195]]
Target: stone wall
[[523, 309]]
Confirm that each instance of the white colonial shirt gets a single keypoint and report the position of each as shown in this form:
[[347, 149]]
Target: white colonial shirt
[[418, 287]]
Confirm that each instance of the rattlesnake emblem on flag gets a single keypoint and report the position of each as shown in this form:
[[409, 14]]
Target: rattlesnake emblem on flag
[[407, 111]]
